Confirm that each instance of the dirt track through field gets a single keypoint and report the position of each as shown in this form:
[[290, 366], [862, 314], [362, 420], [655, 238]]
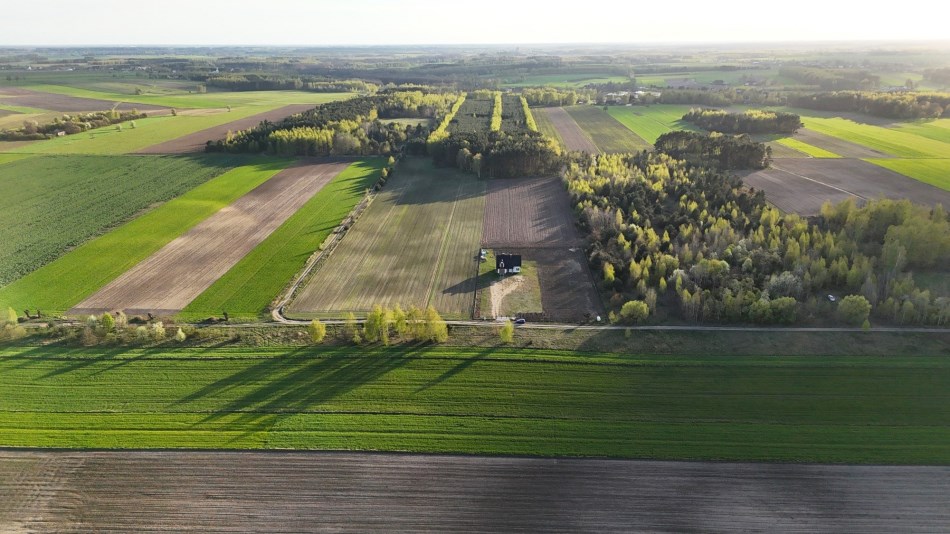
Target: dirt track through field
[[15, 96], [528, 213], [573, 136], [168, 280], [801, 185], [845, 149], [138, 491], [195, 142]]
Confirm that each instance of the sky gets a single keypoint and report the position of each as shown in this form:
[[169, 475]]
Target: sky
[[378, 22]]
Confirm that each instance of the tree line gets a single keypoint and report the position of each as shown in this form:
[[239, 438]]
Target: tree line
[[69, 125], [903, 105], [266, 82], [832, 79], [750, 121]]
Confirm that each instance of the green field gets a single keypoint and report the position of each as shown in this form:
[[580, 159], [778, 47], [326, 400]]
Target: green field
[[650, 122], [486, 401], [608, 134], [9, 158], [811, 150], [935, 172], [54, 203], [888, 140], [61, 284], [249, 286], [937, 129], [414, 245]]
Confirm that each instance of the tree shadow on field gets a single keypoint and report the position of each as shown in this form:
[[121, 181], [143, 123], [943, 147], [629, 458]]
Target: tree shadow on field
[[301, 381], [461, 366]]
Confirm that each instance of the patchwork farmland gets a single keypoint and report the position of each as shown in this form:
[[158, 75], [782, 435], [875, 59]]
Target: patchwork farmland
[[18, 96], [415, 245], [608, 134], [54, 203], [172, 277]]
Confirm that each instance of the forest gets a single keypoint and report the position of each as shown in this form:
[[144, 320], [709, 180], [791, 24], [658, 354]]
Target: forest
[[718, 97], [750, 121], [889, 105], [679, 240], [720, 151]]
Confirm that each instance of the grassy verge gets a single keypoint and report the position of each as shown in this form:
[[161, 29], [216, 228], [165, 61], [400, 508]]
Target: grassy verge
[[247, 289], [486, 401], [546, 127], [61, 284], [935, 172]]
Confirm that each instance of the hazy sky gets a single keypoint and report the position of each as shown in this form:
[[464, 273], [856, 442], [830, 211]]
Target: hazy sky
[[321, 22]]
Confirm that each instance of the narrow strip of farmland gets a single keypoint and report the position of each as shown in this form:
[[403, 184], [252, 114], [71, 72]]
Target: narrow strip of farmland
[[573, 137], [303, 491], [172, 277], [195, 142]]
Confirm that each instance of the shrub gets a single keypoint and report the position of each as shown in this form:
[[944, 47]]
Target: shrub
[[507, 332], [317, 330]]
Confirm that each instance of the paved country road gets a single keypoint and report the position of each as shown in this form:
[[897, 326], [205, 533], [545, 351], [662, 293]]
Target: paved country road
[[212, 491]]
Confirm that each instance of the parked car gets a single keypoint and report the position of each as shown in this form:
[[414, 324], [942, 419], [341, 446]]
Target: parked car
[[520, 320], [831, 298]]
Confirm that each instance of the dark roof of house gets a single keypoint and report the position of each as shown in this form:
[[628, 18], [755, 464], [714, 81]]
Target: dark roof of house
[[510, 261]]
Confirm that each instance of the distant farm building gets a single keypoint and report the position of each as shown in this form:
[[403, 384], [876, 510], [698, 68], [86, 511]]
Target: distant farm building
[[508, 263]]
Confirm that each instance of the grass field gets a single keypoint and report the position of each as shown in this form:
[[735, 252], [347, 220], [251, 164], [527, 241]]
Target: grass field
[[608, 134], [811, 150], [650, 122], [891, 141], [935, 172], [248, 287], [415, 244], [488, 401], [61, 284], [54, 203], [9, 158], [937, 129]]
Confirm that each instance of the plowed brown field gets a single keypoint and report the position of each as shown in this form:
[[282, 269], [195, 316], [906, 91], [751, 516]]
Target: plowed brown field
[[572, 135], [169, 491], [528, 213]]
